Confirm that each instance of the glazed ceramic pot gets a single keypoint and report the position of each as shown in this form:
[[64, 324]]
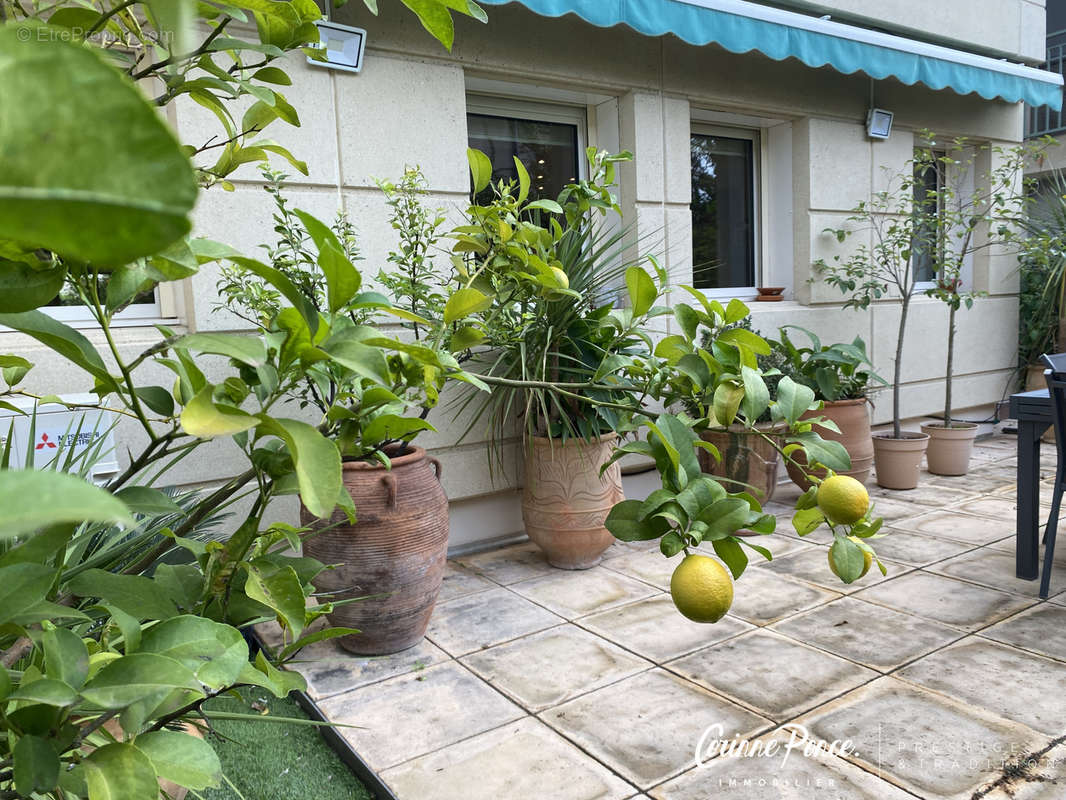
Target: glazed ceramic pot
[[393, 556], [565, 499]]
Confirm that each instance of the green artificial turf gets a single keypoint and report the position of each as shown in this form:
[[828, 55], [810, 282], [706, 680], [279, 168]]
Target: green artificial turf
[[273, 761]]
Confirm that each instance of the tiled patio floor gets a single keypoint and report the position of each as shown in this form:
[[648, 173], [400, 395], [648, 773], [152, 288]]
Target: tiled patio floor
[[539, 683]]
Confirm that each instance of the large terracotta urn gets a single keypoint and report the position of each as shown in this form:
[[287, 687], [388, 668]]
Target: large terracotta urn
[[748, 461], [853, 419], [565, 499], [392, 557]]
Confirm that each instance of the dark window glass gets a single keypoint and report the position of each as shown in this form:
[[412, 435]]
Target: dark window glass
[[927, 186], [548, 150], [723, 212]]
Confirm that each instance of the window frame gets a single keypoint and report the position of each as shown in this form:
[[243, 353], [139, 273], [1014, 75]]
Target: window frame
[[941, 179], [504, 107], [758, 197]]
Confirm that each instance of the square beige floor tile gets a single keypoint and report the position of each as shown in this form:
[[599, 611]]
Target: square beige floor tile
[[946, 600], [813, 566], [481, 620], [459, 582], [1041, 629], [648, 565], [978, 480], [414, 714], [1001, 507], [873, 635], [546, 668], [958, 527], [506, 565], [1015, 685], [893, 510], [922, 495], [762, 597], [525, 759], [646, 727], [916, 549], [654, 629], [329, 669], [575, 593], [925, 743], [774, 675], [995, 569], [800, 776]]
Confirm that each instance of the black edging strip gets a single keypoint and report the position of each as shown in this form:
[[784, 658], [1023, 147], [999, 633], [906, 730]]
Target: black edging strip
[[341, 746]]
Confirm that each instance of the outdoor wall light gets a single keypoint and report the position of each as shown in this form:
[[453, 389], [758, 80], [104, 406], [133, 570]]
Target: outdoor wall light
[[343, 46], [878, 123]]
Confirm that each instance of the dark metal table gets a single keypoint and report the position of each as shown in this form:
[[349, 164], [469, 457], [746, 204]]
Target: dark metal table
[[1033, 412]]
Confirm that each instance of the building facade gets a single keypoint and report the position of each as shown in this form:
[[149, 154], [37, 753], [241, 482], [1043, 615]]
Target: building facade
[[742, 161]]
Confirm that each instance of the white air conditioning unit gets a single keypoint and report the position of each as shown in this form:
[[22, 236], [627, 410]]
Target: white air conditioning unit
[[58, 429]]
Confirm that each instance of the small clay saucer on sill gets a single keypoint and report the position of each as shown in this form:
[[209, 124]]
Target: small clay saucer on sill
[[770, 294]]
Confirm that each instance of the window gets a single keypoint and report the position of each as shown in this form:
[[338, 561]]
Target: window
[[68, 307], [547, 139], [928, 194], [724, 250]]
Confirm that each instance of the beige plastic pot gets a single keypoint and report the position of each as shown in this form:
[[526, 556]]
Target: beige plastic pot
[[853, 419], [565, 500], [899, 461], [949, 448]]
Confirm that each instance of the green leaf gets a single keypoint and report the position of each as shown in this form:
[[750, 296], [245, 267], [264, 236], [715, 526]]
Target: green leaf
[[829, 454], [756, 395], [120, 772], [65, 656], [435, 18], [317, 462], [689, 320], [278, 588], [343, 280], [215, 652], [272, 75], [392, 426], [642, 291], [465, 337], [735, 311], [56, 497], [626, 523], [727, 399], [60, 338], [48, 691], [725, 517], [145, 500], [480, 166], [279, 682], [55, 191], [465, 302], [133, 678], [134, 594], [793, 400], [36, 765], [671, 544], [205, 419], [156, 398], [362, 359], [732, 554], [281, 282], [318, 636], [546, 205], [848, 558], [523, 180], [250, 350], [182, 759], [745, 338], [23, 288], [806, 520]]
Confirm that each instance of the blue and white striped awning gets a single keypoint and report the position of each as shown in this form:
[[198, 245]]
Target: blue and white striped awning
[[741, 27]]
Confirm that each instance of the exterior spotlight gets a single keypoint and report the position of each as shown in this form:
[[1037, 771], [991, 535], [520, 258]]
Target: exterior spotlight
[[340, 47], [878, 123]]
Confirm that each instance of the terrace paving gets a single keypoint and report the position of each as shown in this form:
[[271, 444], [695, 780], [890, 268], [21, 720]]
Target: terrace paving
[[539, 683]]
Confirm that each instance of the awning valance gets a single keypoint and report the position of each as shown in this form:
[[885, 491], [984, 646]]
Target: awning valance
[[741, 27]]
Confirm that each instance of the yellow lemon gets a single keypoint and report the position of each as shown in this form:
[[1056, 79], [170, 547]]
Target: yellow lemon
[[561, 277], [702, 588], [843, 499], [867, 560]]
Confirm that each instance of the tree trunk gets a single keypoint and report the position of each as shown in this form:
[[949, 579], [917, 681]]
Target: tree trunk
[[951, 359], [897, 431]]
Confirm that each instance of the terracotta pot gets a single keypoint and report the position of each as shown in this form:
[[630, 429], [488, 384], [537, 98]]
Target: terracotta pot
[[565, 500], [393, 556], [749, 462], [949, 448], [899, 461], [853, 419]]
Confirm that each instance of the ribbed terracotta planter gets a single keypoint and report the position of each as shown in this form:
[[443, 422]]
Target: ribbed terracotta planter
[[749, 462], [393, 556], [853, 419], [899, 461], [949, 448], [565, 500]]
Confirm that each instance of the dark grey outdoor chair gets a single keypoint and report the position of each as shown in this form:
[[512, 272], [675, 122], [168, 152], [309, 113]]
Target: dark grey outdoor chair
[[1055, 375]]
